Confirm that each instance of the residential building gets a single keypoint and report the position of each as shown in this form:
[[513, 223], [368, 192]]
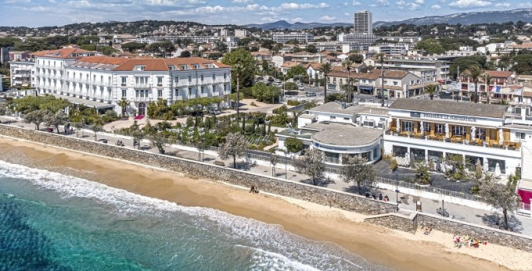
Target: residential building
[[101, 81], [501, 87], [241, 33], [301, 37], [19, 56], [429, 70], [304, 57], [279, 60], [22, 73], [4, 54], [399, 84], [357, 41], [390, 48], [363, 22]]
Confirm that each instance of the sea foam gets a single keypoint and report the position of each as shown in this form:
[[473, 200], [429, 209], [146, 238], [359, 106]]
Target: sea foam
[[269, 245]]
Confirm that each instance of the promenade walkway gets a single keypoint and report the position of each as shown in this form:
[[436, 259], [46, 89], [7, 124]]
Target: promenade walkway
[[408, 202]]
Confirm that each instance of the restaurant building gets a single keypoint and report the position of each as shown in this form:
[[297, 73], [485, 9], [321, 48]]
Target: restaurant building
[[435, 130]]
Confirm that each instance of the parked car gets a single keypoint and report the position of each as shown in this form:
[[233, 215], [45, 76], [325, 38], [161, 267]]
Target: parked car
[[214, 112], [310, 94]]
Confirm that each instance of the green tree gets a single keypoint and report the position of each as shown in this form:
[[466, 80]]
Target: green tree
[[311, 164], [311, 48], [56, 120], [234, 146], [157, 139], [133, 46], [242, 70], [422, 174], [184, 54], [430, 46], [474, 73], [431, 89], [357, 170], [325, 69], [356, 58], [347, 65], [293, 144], [36, 117], [273, 160], [123, 103], [500, 196], [486, 78], [96, 127], [296, 72]]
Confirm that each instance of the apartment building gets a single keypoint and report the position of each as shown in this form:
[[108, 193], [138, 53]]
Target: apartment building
[[363, 22], [500, 88], [399, 84], [390, 48], [428, 69], [301, 37], [101, 81], [22, 73]]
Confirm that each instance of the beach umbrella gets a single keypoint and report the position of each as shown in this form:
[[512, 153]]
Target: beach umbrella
[[421, 127], [473, 130], [500, 137]]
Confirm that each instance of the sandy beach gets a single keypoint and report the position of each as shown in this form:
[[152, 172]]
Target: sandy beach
[[390, 248]]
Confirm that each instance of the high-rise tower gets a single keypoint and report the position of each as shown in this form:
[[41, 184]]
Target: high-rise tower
[[363, 22]]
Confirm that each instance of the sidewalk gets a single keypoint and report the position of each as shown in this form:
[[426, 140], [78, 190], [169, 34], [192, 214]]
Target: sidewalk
[[407, 202]]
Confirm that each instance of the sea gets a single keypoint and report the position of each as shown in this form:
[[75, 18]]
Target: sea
[[51, 221]]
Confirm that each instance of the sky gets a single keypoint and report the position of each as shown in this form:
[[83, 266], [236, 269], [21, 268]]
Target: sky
[[34, 13]]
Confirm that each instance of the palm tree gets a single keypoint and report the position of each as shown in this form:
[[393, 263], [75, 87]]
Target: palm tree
[[431, 89], [325, 69], [380, 56], [123, 104], [487, 80], [347, 65], [504, 61], [474, 73], [238, 69]]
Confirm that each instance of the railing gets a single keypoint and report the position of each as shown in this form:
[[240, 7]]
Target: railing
[[481, 143], [431, 189]]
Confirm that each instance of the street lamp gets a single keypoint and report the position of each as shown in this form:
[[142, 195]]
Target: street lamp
[[397, 190]]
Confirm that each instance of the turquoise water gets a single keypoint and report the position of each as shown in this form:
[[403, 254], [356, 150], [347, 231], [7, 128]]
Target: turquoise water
[[50, 221]]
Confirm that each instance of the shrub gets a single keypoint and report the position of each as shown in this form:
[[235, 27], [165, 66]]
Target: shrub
[[293, 144], [293, 102]]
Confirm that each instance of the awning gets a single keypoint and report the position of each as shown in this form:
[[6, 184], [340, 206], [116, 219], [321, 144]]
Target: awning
[[365, 88], [88, 103]]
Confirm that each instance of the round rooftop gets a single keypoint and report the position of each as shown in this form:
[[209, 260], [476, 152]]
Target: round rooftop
[[346, 135]]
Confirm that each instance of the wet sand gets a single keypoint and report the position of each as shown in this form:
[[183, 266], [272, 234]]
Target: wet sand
[[390, 248]]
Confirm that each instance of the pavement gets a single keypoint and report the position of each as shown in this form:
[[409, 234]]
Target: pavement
[[520, 224]]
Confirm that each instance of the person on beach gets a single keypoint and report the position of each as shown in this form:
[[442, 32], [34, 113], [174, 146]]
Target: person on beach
[[380, 196], [386, 198], [252, 190], [427, 230]]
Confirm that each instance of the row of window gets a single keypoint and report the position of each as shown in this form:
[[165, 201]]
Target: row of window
[[143, 93]]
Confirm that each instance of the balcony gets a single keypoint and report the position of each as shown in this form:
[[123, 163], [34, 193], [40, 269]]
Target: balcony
[[455, 143]]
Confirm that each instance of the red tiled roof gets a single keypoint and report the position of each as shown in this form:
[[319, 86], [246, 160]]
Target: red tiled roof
[[499, 74], [104, 60], [64, 53], [151, 64]]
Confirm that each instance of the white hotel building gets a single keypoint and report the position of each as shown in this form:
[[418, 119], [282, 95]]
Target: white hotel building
[[499, 137], [101, 81]]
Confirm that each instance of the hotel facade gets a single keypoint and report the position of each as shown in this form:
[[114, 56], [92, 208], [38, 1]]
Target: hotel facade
[[499, 137], [100, 81]]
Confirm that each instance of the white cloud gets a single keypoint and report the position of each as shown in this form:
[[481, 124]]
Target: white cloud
[[327, 18], [469, 3], [297, 19], [347, 14], [356, 3], [525, 5], [268, 19], [382, 2], [294, 6], [503, 5], [172, 2], [435, 7], [421, 2], [242, 1]]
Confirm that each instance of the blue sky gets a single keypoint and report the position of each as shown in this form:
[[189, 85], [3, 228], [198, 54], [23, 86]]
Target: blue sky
[[60, 12]]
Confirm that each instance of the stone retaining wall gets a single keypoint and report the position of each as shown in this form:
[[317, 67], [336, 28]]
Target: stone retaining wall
[[394, 221], [491, 235], [460, 228], [277, 186]]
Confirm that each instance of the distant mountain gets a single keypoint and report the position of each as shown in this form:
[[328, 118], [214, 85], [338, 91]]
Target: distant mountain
[[287, 25], [504, 16]]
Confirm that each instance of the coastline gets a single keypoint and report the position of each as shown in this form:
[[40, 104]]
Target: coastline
[[395, 249]]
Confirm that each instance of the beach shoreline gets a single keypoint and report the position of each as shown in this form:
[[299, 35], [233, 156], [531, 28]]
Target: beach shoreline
[[379, 245]]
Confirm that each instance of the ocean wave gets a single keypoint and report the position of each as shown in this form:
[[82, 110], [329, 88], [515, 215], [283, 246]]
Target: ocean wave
[[291, 251]]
